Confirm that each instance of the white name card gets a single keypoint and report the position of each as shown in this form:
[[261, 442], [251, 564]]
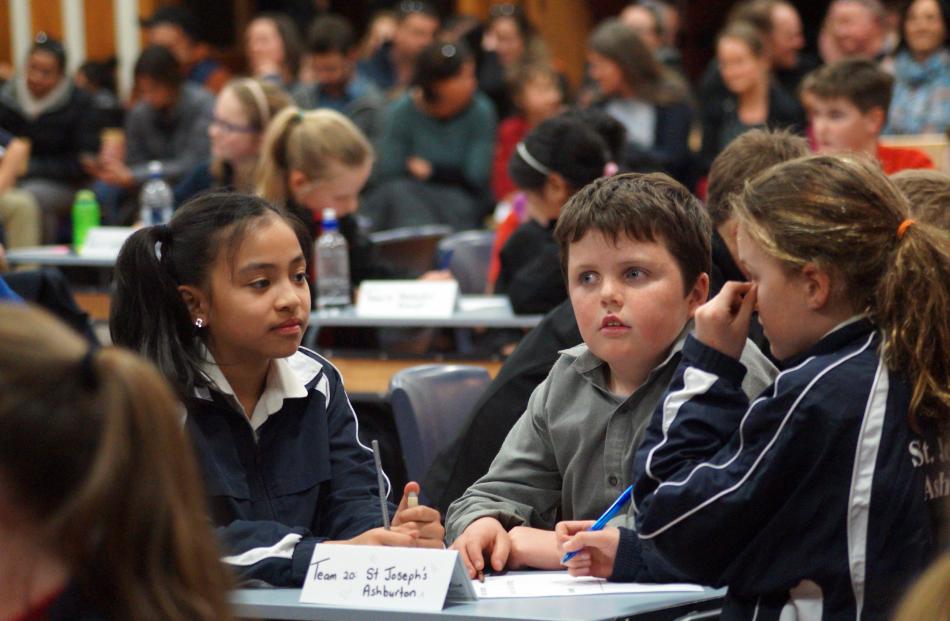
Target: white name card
[[407, 299], [412, 579], [104, 242]]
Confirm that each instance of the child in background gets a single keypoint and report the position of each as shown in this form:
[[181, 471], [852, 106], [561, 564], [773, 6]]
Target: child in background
[[635, 257], [812, 499], [847, 105], [242, 111], [556, 159], [537, 95], [101, 513], [318, 160], [928, 193], [219, 300]]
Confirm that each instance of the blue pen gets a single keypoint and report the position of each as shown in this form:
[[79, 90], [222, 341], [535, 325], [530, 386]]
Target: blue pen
[[608, 515]]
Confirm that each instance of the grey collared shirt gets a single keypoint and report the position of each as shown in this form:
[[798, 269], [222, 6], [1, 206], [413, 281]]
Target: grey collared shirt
[[571, 453]]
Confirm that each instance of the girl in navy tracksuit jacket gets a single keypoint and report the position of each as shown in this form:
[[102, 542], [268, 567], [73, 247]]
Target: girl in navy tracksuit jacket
[[816, 500], [219, 300]]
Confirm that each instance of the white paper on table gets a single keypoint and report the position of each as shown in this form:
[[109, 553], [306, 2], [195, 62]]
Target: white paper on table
[[480, 303], [559, 583]]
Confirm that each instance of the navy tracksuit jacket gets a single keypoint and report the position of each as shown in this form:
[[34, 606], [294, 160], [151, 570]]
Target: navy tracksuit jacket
[[304, 479], [810, 500]]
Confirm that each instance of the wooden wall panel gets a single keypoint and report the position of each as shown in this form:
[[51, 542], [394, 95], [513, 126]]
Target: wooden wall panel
[[100, 29], [47, 16], [6, 50]]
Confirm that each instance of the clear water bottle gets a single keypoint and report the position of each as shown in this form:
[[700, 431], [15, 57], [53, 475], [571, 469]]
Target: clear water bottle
[[333, 264], [156, 202]]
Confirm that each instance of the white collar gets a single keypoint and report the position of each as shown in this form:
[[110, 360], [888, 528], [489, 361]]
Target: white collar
[[287, 378]]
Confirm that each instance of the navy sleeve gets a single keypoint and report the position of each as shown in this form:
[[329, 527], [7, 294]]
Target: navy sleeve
[[267, 552], [352, 505], [713, 470]]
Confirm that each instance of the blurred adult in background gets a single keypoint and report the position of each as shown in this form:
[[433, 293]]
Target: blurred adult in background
[[391, 67], [273, 48], [332, 61], [853, 29], [436, 150], [177, 29], [381, 28], [921, 100], [242, 112], [98, 79], [509, 41], [753, 99], [41, 105], [647, 19], [649, 100], [20, 222], [169, 124], [780, 27]]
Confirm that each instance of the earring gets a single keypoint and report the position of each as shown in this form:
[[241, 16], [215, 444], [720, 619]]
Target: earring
[[199, 323]]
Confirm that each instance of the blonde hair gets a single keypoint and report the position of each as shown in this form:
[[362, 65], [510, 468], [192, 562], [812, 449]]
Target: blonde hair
[[308, 142], [842, 214], [260, 100], [92, 449], [928, 192]]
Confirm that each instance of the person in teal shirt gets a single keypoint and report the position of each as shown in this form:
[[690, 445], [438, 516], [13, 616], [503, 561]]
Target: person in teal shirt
[[437, 146]]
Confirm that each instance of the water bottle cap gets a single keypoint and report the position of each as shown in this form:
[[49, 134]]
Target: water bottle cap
[[329, 216], [85, 196], [154, 169]]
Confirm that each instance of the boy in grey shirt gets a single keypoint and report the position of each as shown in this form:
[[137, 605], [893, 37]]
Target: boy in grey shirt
[[635, 251]]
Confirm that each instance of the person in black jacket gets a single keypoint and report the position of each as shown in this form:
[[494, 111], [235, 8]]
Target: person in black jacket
[[42, 105], [222, 307], [558, 157]]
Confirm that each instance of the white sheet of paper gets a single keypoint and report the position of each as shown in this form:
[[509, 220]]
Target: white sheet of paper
[[559, 583], [414, 579]]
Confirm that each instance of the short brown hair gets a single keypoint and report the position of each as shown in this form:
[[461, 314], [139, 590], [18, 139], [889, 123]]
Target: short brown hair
[[858, 80], [644, 207], [745, 157], [928, 192]]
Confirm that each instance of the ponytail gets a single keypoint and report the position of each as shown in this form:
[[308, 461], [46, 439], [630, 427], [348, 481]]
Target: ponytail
[[843, 214], [308, 142], [91, 449], [912, 308], [147, 313], [273, 168]]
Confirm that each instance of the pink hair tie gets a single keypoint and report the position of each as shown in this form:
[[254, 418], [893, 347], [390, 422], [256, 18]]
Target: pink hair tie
[[610, 169]]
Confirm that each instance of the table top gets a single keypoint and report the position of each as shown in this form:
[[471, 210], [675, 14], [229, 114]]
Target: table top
[[60, 255], [473, 311], [368, 378], [285, 604]]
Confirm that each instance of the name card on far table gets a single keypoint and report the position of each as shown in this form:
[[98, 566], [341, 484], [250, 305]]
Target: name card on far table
[[407, 299], [104, 242], [416, 579]]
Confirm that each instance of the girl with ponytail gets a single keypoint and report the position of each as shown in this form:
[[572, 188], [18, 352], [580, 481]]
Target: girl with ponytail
[[819, 498], [101, 512], [218, 299]]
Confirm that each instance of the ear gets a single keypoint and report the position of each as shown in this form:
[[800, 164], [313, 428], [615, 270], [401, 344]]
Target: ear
[[557, 189], [816, 286], [698, 294], [196, 301], [874, 119], [296, 180]]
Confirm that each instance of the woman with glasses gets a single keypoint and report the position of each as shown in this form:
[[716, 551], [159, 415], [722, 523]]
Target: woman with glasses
[[242, 111]]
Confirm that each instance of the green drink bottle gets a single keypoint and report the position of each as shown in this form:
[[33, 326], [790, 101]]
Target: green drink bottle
[[85, 216]]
